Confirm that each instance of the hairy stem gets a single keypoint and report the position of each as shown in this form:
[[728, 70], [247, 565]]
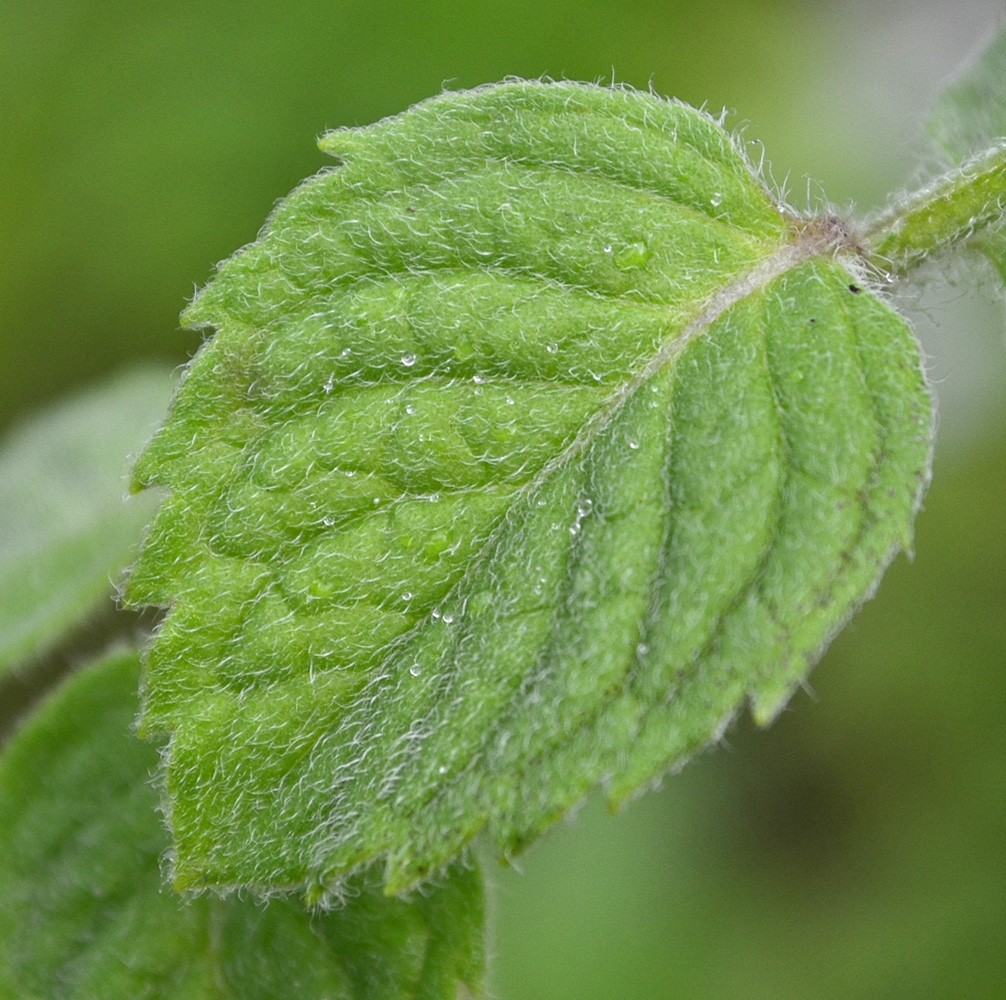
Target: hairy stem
[[950, 211]]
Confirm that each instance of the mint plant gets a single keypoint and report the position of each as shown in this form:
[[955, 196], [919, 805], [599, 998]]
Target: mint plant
[[530, 443]]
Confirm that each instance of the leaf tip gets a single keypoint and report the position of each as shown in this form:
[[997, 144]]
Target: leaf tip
[[338, 143], [767, 704]]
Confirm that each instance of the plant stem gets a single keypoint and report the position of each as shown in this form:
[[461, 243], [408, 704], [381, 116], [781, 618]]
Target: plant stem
[[950, 211]]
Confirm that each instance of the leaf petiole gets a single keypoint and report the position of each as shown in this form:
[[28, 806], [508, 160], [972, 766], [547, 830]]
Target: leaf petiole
[[950, 211]]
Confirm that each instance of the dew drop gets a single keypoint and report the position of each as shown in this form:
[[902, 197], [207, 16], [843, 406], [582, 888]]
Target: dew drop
[[329, 383], [408, 360], [435, 613], [633, 444], [410, 409], [407, 596], [642, 649], [632, 256], [442, 769], [345, 352], [448, 618], [583, 508], [551, 348], [607, 248], [509, 401], [415, 670], [716, 200]]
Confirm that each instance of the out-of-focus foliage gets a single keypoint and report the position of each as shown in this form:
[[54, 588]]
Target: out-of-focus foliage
[[971, 112], [65, 533], [83, 914]]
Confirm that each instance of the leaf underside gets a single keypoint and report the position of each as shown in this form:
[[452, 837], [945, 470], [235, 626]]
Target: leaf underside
[[532, 441], [83, 913]]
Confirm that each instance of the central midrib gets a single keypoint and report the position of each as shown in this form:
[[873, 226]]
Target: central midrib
[[809, 238], [824, 236]]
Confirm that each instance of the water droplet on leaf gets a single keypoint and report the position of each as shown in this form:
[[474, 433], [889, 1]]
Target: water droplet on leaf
[[632, 256]]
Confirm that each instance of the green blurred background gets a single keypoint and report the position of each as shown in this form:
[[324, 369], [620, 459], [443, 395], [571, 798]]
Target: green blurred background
[[858, 848]]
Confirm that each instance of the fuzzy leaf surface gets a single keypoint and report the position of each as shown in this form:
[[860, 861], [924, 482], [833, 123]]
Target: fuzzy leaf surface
[[84, 914], [533, 440], [65, 533]]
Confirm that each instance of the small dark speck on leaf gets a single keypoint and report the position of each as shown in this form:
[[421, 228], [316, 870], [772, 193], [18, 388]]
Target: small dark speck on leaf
[[855, 289]]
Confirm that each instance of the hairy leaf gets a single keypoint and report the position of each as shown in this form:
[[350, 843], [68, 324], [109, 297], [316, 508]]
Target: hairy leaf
[[65, 534], [532, 441], [83, 913]]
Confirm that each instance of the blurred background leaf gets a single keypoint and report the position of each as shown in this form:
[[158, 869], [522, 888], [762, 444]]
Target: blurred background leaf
[[856, 848], [67, 531], [84, 912]]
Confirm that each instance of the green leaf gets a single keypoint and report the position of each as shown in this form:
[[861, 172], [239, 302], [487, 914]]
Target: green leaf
[[83, 913], [65, 534], [533, 441]]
